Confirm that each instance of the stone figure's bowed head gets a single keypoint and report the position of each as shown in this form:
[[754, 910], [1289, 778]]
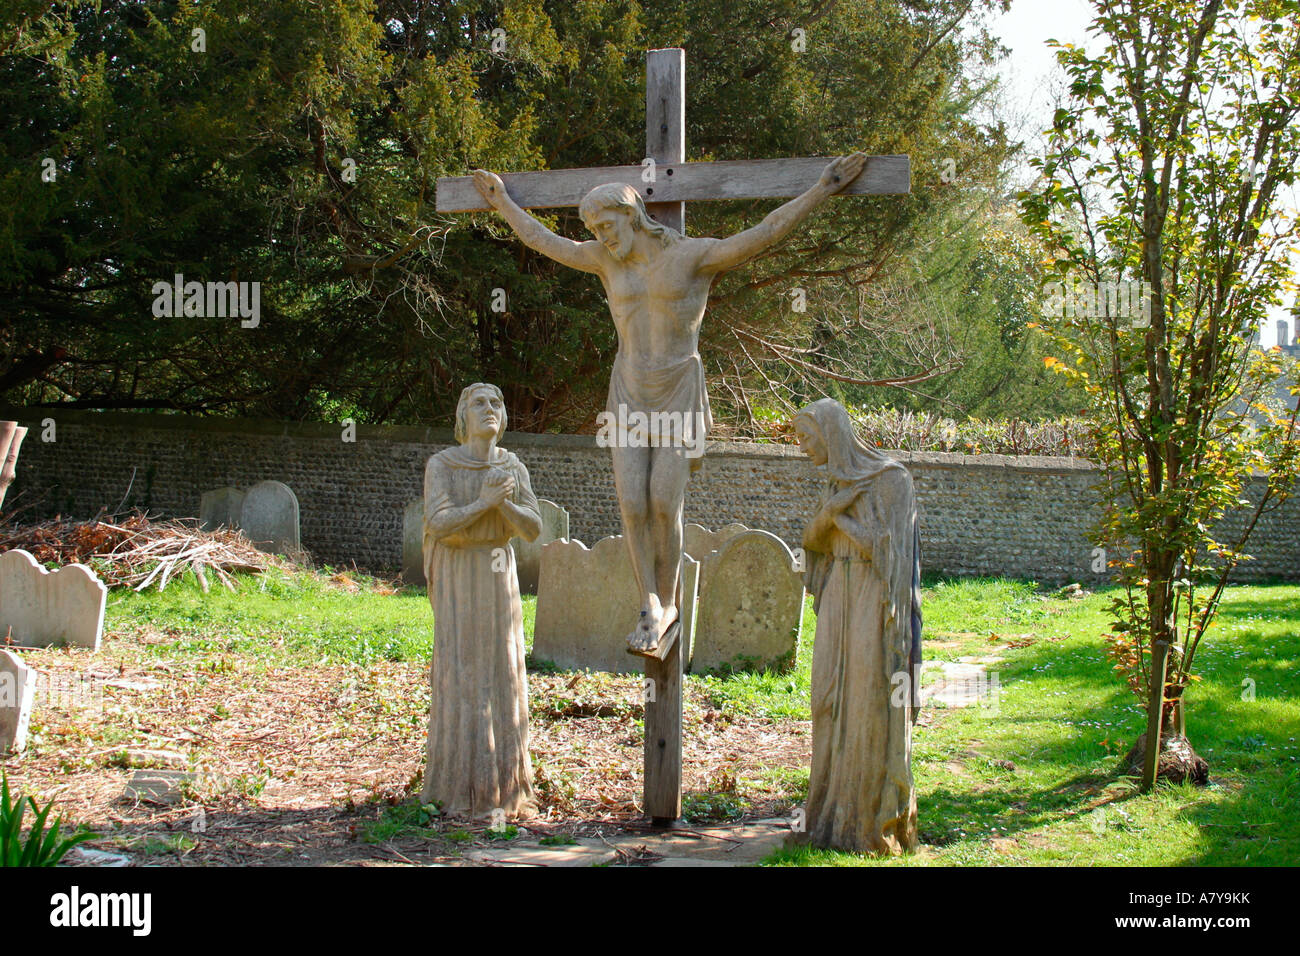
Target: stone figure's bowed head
[[478, 403], [615, 210], [826, 436]]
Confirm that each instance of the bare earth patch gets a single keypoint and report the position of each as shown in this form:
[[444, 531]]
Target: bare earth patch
[[177, 759]]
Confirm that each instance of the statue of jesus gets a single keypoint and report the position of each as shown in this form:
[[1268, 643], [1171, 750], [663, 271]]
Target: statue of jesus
[[657, 284]]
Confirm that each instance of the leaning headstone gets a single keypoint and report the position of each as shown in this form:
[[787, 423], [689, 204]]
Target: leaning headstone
[[16, 687], [751, 606], [583, 602], [269, 517], [40, 608], [220, 508], [413, 543], [528, 554]]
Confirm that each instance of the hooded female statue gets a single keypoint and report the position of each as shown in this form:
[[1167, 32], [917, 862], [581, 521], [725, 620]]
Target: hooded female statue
[[864, 572], [476, 498]]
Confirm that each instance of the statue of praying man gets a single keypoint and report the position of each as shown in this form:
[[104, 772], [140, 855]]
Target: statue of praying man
[[657, 284], [476, 498]]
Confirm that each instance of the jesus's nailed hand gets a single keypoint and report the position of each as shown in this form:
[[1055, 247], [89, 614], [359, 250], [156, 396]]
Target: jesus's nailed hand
[[489, 186], [840, 172]]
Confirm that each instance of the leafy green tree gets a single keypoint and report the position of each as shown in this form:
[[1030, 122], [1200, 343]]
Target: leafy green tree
[[1167, 165], [298, 146], [978, 289]]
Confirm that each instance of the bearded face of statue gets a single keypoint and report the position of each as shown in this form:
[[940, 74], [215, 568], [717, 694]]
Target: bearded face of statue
[[613, 228]]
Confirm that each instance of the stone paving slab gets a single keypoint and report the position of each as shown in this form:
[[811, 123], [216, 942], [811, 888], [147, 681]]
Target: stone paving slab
[[965, 682], [684, 861], [157, 786], [88, 856], [582, 853], [704, 846], [730, 846]]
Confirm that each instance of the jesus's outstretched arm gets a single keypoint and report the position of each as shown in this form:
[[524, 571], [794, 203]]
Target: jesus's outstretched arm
[[575, 255], [728, 253]]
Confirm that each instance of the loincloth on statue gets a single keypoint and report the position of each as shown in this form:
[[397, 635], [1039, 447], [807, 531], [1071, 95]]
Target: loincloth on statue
[[659, 408]]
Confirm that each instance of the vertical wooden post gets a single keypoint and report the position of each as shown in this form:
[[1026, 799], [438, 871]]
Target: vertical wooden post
[[665, 128], [665, 140]]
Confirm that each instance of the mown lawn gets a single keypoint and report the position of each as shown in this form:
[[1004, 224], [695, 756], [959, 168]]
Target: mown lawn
[[1033, 780]]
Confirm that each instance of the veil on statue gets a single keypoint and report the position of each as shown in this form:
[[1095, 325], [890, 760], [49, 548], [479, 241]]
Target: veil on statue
[[852, 463]]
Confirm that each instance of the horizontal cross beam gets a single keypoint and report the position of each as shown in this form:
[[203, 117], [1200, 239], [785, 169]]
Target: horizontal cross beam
[[735, 179]]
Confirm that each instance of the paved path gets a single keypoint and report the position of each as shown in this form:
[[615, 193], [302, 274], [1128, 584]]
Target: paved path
[[741, 844]]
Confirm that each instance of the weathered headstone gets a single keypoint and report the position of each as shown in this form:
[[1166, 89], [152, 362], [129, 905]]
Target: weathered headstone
[[16, 688], [703, 545], [582, 606], [39, 608], [269, 517], [751, 606], [528, 554], [413, 543], [220, 508], [699, 542]]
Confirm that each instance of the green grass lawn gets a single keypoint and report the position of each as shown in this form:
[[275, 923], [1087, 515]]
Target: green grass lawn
[[1032, 781], [1036, 781]]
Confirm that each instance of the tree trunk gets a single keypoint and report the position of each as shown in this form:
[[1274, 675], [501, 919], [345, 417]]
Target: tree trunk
[[1178, 762], [1163, 635]]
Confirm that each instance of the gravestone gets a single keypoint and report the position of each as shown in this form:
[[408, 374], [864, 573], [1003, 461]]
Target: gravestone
[[699, 542], [703, 545], [583, 602], [751, 606], [16, 688], [413, 543], [528, 554], [269, 517], [40, 608], [220, 508]]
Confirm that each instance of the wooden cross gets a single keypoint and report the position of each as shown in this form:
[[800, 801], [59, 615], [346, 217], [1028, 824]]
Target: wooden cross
[[666, 186]]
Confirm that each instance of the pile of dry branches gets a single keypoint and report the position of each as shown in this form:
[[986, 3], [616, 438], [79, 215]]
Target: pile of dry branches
[[136, 552]]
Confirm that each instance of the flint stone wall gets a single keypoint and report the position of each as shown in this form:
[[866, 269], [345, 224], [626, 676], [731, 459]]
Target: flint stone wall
[[1024, 517]]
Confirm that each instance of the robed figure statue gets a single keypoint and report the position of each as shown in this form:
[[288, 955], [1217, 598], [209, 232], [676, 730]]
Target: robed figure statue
[[476, 498], [864, 572]]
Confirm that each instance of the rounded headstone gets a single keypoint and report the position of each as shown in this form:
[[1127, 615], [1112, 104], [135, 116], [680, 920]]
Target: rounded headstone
[[40, 608], [587, 604], [528, 554], [413, 543], [269, 517], [751, 606]]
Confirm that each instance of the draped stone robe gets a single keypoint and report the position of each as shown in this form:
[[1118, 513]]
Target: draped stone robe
[[866, 659], [478, 719]]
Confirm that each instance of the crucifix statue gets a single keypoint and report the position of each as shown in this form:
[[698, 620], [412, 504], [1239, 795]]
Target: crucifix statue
[[657, 283]]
